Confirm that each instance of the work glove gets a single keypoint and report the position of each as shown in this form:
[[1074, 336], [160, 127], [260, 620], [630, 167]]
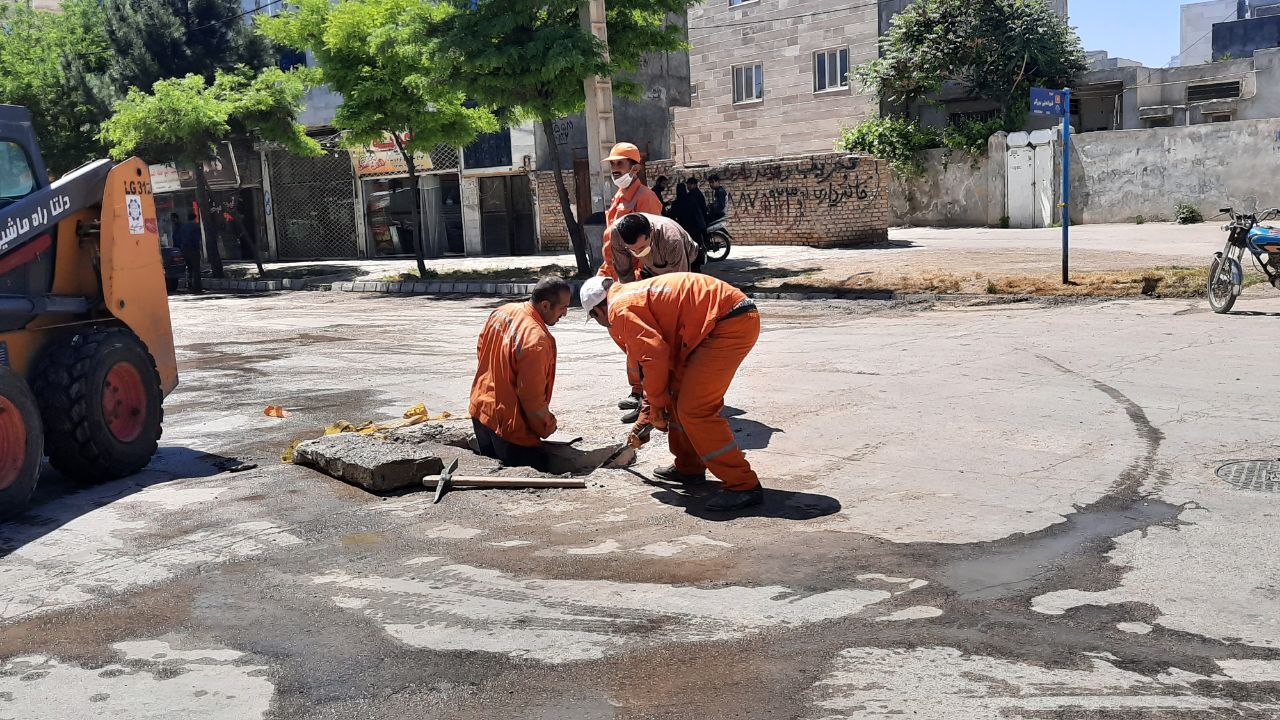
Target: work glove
[[639, 435], [660, 419]]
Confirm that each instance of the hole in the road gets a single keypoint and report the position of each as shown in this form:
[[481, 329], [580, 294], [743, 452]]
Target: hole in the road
[[1257, 475]]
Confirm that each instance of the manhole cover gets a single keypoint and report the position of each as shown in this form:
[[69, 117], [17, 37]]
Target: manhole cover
[[1260, 475]]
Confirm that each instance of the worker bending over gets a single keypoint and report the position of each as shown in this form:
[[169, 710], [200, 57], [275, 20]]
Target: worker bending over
[[650, 245], [688, 333], [511, 395]]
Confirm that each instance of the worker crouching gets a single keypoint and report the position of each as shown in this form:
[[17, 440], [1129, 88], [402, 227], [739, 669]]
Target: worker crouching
[[511, 394], [688, 333]]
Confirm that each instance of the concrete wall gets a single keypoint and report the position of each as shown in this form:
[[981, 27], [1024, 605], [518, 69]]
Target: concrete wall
[[783, 35], [1242, 38], [1117, 176], [1198, 19], [829, 200], [952, 192], [645, 122]]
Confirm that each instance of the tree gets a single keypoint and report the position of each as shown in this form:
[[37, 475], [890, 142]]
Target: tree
[[152, 40], [996, 49], [530, 58], [35, 50], [374, 53], [184, 119]]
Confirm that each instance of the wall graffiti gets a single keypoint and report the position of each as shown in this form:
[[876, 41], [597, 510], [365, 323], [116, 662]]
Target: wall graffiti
[[790, 191]]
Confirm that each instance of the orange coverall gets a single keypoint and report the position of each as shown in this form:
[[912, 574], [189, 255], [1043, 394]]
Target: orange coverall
[[637, 198], [511, 394], [671, 326]]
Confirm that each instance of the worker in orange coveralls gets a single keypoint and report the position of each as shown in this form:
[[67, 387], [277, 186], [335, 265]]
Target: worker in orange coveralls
[[511, 394], [688, 333], [632, 197]]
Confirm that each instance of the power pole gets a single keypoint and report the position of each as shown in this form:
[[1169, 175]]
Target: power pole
[[599, 114]]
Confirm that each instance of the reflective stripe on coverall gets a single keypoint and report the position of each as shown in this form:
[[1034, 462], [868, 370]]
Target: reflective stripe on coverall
[[637, 198], [670, 327], [511, 393]]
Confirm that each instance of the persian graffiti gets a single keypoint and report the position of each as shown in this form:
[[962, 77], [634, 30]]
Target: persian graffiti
[[790, 191]]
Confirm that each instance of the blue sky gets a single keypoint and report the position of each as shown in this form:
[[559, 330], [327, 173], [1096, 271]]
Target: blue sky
[[1143, 30]]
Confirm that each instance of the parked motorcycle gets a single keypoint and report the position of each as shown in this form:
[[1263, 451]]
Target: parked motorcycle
[[1244, 232], [718, 240]]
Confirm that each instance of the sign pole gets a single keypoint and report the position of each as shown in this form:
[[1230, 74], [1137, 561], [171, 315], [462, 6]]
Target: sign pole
[[1066, 183]]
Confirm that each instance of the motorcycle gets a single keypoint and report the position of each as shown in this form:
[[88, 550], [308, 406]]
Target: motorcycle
[[718, 240], [1244, 232]]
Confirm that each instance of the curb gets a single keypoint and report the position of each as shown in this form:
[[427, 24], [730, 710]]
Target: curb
[[262, 286]]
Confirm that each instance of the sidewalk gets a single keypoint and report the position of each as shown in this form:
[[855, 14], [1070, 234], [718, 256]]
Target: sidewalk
[[967, 260]]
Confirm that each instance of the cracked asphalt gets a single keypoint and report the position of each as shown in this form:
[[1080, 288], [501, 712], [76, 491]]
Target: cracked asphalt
[[974, 511]]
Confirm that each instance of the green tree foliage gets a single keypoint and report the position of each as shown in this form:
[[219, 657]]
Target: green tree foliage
[[184, 119], [152, 40], [997, 49], [376, 54], [35, 49], [530, 58], [898, 140]]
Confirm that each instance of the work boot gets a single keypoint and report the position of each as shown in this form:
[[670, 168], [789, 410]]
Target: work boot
[[671, 474], [630, 402], [631, 416], [734, 500]]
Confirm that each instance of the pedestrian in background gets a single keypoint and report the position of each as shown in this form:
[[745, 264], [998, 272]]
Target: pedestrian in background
[[188, 240]]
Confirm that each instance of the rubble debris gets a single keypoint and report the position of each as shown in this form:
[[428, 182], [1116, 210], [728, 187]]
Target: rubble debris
[[369, 463]]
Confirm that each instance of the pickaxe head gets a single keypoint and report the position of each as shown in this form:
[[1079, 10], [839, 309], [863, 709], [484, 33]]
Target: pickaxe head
[[445, 481]]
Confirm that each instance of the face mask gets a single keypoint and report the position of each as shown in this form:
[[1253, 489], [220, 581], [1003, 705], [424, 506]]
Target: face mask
[[643, 253], [624, 181]]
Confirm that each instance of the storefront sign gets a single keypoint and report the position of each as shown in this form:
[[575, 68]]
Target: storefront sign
[[383, 159], [222, 173]]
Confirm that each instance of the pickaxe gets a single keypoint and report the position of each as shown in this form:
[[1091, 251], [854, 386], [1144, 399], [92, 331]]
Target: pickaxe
[[446, 481]]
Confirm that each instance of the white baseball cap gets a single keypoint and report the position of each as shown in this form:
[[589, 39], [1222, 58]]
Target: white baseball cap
[[594, 291]]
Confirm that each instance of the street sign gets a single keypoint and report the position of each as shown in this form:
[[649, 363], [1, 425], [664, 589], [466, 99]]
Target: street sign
[[1048, 102]]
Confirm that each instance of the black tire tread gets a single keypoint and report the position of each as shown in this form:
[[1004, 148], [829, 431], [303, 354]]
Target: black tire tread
[[13, 499], [62, 389]]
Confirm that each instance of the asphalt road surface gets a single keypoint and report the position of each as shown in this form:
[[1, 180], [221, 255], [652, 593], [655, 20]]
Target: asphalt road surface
[[974, 511]]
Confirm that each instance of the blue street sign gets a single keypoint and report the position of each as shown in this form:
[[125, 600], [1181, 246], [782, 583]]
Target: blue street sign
[[1048, 102]]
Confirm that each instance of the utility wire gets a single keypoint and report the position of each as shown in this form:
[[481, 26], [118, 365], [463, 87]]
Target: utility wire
[[1178, 57], [849, 8]]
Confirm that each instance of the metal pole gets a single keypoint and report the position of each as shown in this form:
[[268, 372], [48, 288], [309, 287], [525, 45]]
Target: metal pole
[[599, 111], [1066, 183]]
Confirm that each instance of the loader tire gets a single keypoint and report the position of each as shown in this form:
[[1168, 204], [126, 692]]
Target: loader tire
[[21, 443], [99, 393]]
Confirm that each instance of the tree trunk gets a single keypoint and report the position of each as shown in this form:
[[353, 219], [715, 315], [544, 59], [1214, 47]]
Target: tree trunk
[[576, 235], [419, 237], [211, 251]]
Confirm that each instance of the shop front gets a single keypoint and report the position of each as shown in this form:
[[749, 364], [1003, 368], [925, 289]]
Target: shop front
[[387, 200], [235, 197]]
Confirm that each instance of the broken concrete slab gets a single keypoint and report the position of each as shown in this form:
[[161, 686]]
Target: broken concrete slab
[[375, 465]]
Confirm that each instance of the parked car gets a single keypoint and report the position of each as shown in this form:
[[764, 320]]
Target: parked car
[[175, 266]]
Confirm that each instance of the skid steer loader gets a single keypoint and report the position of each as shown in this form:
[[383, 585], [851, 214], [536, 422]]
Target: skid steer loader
[[86, 345]]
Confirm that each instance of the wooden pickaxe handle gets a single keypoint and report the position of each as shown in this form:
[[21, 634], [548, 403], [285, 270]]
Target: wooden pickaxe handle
[[506, 482]]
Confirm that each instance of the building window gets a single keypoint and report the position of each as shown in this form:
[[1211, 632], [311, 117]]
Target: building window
[[1159, 122], [1213, 91], [748, 83], [736, 3], [831, 70], [1217, 117]]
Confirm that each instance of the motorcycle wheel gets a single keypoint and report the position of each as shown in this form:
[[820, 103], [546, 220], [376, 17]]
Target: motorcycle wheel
[[717, 247], [1225, 280]]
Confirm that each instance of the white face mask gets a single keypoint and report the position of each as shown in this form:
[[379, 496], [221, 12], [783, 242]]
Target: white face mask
[[643, 253], [624, 181]]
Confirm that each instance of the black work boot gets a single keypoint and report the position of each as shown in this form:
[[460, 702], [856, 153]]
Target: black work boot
[[733, 500], [631, 416], [671, 474], [630, 402]]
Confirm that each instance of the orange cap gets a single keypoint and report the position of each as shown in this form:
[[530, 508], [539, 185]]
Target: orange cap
[[624, 151]]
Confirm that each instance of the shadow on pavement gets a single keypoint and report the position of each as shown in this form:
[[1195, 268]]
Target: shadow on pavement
[[751, 435], [778, 504], [59, 501]]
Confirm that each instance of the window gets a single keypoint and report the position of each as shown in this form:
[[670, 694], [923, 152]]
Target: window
[[16, 179], [736, 3], [1213, 91], [748, 83], [831, 70], [1217, 117]]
